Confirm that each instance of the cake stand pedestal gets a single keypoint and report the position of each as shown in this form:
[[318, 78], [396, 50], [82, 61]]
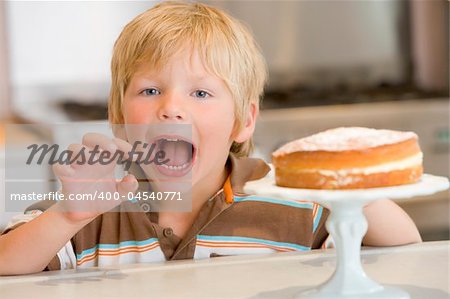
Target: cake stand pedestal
[[347, 225]]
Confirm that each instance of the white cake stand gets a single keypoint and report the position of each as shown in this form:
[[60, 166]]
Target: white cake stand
[[347, 226]]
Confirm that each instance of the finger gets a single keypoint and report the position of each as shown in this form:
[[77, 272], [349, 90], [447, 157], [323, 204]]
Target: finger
[[127, 184], [63, 170], [95, 139], [75, 150], [123, 146]]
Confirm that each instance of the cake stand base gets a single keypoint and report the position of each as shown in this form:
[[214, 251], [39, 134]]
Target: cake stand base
[[382, 293], [347, 226]]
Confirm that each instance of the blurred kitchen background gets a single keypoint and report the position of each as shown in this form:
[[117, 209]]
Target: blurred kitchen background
[[381, 64]]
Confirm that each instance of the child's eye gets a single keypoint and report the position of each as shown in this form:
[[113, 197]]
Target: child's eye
[[201, 94], [150, 92]]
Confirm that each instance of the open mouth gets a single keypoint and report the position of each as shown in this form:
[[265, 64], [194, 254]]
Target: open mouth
[[180, 153]]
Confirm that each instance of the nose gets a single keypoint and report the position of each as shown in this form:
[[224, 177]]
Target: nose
[[171, 108]]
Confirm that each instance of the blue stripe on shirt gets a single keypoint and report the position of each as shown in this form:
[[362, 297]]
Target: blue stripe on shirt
[[317, 218], [251, 240], [116, 246]]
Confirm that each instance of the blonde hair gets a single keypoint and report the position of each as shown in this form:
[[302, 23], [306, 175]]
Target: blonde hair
[[225, 46]]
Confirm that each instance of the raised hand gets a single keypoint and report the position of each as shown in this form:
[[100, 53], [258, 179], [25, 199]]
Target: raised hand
[[88, 183]]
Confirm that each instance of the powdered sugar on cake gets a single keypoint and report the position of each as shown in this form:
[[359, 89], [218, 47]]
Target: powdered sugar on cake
[[344, 139]]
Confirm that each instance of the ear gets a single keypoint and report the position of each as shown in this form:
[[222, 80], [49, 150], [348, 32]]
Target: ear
[[249, 126]]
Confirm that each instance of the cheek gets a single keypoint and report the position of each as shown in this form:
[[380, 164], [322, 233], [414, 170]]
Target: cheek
[[136, 113], [217, 124]]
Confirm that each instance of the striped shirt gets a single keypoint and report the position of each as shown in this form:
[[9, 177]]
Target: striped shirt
[[230, 223]]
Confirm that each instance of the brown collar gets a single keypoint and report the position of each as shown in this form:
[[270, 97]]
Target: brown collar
[[243, 170]]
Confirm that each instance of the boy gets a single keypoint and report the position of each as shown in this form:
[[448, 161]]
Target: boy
[[189, 64]]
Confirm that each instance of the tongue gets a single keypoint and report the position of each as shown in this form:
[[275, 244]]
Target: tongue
[[178, 152]]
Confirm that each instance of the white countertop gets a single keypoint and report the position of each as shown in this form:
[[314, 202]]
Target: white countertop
[[420, 269]]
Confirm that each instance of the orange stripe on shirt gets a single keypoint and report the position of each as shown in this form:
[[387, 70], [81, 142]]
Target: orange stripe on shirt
[[248, 246], [241, 245], [116, 252]]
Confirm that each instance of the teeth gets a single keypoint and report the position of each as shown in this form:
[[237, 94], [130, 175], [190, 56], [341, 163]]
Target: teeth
[[180, 167], [171, 139]]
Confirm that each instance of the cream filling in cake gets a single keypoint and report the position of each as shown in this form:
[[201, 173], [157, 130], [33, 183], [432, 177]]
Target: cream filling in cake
[[409, 162]]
